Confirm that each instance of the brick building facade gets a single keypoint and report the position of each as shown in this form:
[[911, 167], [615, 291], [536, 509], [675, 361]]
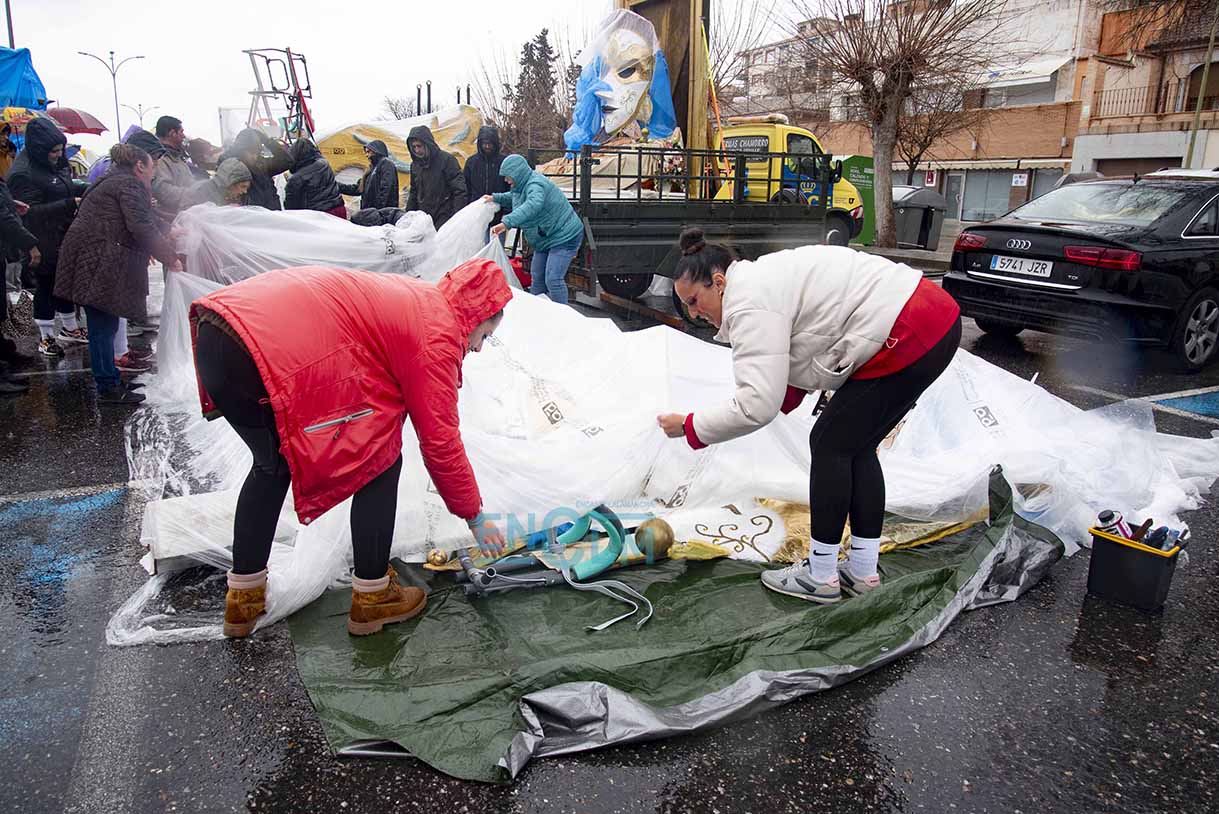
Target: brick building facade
[[1086, 85]]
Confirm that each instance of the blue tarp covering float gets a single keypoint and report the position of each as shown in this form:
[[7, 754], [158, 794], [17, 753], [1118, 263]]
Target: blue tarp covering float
[[19, 85]]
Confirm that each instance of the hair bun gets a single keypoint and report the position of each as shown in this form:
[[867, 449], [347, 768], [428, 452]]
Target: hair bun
[[691, 241]]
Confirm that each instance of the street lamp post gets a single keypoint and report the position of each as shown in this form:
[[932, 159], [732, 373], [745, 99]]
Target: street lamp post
[[141, 111], [113, 69]]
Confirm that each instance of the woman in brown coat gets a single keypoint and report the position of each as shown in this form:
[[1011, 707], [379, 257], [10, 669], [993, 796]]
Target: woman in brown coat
[[103, 261]]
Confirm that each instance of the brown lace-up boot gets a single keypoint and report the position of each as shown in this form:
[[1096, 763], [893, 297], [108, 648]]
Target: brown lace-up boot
[[376, 603], [244, 603]]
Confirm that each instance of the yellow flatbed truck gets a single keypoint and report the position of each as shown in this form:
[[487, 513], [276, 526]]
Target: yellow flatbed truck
[[781, 175]]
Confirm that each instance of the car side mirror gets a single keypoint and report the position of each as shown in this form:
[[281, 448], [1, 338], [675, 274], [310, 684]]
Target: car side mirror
[[837, 174]]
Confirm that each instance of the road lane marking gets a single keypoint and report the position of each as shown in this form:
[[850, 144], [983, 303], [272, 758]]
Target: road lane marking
[[74, 491], [1182, 394], [1205, 404], [113, 748], [1096, 391]]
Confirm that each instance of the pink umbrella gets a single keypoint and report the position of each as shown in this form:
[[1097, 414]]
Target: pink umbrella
[[74, 121]]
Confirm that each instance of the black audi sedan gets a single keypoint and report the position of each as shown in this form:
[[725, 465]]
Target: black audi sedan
[[1133, 259]]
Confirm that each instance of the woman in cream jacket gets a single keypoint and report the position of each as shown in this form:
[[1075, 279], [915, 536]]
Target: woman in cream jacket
[[820, 318]]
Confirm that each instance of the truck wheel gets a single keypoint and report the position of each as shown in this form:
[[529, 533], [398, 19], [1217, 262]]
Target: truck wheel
[[837, 230], [1196, 336], [680, 308], [627, 286], [785, 196], [998, 328]]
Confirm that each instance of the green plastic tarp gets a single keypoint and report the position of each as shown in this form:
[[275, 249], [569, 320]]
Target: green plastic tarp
[[476, 688]]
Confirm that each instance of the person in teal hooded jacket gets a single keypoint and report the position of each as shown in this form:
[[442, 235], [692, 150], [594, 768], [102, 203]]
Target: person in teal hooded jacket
[[551, 226]]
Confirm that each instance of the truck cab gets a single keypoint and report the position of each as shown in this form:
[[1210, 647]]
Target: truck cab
[[777, 174]]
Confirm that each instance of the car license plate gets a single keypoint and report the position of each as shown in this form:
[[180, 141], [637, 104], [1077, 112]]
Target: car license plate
[[1021, 265]]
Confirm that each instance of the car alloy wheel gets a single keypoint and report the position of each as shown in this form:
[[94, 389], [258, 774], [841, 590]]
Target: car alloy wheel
[[1202, 331]]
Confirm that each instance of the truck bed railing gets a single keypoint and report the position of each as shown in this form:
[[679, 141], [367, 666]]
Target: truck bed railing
[[642, 174]]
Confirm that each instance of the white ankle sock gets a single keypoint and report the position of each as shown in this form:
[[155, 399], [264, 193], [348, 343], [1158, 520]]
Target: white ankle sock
[[68, 321], [46, 328], [244, 582], [822, 560], [865, 551], [368, 586]]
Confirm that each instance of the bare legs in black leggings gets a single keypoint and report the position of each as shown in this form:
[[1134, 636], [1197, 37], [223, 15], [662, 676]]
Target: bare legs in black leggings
[[846, 478], [232, 380]]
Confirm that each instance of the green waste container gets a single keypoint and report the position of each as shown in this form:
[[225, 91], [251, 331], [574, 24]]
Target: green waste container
[[858, 169]]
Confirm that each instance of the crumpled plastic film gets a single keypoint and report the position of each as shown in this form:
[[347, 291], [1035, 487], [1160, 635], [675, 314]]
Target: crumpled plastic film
[[1065, 464], [225, 244], [494, 250], [558, 414]]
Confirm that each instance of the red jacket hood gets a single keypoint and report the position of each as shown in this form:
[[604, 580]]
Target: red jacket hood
[[476, 291]]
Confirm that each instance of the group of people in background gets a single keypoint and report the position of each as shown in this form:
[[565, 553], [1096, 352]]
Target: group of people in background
[[86, 246]]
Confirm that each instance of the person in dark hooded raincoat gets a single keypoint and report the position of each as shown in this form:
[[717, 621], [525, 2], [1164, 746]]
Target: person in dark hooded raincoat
[[481, 173], [312, 184], [41, 178], [378, 189], [248, 149], [437, 185], [482, 169], [228, 187], [15, 238]]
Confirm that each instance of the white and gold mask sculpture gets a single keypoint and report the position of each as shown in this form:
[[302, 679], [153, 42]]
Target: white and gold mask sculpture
[[624, 83]]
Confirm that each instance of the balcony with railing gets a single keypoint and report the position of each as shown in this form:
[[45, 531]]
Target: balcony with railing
[[1164, 99]]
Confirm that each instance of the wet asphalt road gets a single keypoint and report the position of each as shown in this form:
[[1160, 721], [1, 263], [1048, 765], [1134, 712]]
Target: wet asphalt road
[[1055, 703]]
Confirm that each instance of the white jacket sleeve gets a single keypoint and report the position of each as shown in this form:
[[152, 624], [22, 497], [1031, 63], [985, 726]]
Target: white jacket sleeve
[[761, 342]]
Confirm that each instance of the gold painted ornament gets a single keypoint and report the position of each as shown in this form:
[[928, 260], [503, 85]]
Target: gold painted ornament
[[437, 558], [654, 537]]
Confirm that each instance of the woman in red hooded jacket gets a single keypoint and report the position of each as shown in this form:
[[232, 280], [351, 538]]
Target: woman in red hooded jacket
[[317, 369]]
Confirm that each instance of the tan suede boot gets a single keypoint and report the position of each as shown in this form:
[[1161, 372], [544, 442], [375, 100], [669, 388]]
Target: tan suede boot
[[244, 603], [376, 603]]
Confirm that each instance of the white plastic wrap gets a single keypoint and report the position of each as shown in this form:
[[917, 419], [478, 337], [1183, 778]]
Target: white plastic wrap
[[229, 243], [558, 415]]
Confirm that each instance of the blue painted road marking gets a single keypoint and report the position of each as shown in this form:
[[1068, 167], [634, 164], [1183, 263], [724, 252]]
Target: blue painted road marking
[[1203, 404]]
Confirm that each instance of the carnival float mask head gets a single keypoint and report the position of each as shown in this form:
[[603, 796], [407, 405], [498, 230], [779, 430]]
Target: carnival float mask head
[[626, 77]]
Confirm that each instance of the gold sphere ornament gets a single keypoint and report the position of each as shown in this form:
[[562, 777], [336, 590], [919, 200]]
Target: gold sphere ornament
[[654, 538], [437, 558]]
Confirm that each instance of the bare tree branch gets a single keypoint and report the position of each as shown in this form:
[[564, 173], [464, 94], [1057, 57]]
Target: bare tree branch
[[736, 28], [569, 42], [933, 114], [399, 107], [879, 52], [492, 86]]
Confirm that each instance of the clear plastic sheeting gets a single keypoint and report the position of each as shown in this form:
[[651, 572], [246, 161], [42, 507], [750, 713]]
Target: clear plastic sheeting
[[558, 415], [230, 243], [1065, 464]]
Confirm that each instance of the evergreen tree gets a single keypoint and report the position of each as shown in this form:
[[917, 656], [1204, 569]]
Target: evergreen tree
[[534, 120]]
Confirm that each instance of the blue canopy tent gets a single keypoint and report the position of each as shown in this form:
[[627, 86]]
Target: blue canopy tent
[[19, 84]]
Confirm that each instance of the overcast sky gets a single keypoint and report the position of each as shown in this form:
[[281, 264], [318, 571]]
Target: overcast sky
[[358, 52]]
